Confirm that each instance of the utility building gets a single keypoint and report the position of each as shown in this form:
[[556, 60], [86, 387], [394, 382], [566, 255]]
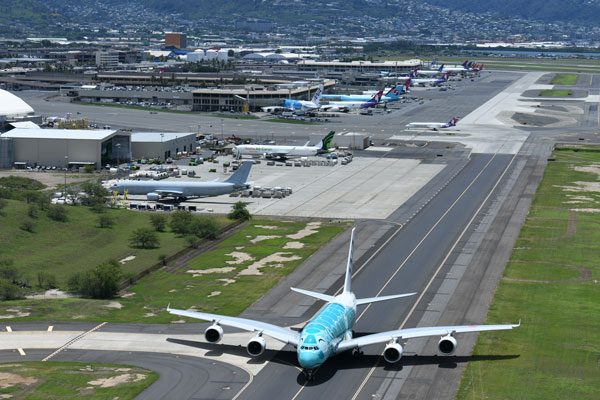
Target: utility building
[[175, 39], [161, 145]]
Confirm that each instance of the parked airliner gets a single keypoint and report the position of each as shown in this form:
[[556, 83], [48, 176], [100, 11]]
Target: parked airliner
[[329, 332], [284, 152]]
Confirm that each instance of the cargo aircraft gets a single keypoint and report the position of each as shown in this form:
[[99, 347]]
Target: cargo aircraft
[[329, 332], [182, 190]]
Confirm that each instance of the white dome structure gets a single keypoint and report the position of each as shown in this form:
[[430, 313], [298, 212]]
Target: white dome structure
[[12, 106]]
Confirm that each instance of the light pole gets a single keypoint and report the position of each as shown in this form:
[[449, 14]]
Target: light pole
[[118, 146], [65, 187], [162, 150]]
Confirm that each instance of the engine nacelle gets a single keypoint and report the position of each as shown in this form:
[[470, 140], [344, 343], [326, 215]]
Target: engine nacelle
[[153, 196], [213, 333], [256, 346], [392, 353], [447, 345]]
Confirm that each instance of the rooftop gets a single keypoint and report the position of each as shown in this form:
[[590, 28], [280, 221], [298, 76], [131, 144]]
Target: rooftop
[[158, 136], [76, 134]]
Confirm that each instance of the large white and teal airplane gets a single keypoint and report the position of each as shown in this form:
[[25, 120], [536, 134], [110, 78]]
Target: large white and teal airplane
[[329, 332]]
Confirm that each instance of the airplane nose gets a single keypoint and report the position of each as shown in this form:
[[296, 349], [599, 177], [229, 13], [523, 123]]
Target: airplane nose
[[309, 359]]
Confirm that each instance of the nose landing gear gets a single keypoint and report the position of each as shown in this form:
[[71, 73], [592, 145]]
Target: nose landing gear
[[309, 374]]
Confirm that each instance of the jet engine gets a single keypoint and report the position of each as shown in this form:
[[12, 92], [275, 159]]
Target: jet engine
[[256, 346], [213, 333], [153, 196], [392, 353], [447, 345]]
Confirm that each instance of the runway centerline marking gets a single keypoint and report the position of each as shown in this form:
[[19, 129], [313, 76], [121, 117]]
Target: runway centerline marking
[[413, 308], [415, 249]]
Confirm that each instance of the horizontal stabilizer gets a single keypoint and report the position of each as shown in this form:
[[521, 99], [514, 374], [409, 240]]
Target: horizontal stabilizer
[[320, 296], [382, 298]]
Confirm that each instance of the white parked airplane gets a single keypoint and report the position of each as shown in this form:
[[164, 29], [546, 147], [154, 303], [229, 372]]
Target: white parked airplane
[[283, 152], [433, 125], [329, 332]]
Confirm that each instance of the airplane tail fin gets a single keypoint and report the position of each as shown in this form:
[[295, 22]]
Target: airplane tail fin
[[464, 64], [325, 143], [317, 96], [441, 68], [240, 176], [377, 96], [407, 84], [349, 264]]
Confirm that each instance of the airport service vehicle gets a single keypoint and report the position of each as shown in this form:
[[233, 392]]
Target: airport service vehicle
[[182, 190], [392, 94], [284, 152], [302, 105], [433, 125], [329, 332], [345, 106]]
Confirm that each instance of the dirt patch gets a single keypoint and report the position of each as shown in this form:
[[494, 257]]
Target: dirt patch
[[114, 304], [127, 295], [572, 224], [591, 169], [50, 294], [274, 260], [8, 379], [293, 245], [213, 294], [16, 314], [581, 187], [127, 259], [261, 238], [268, 227], [239, 248], [226, 281], [588, 210], [310, 229], [239, 257], [149, 314], [200, 272], [117, 380]]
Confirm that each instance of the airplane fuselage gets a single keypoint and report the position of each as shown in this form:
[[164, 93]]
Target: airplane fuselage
[[321, 336], [186, 188], [289, 151]]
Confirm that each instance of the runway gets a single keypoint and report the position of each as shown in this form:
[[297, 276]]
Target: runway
[[412, 261]]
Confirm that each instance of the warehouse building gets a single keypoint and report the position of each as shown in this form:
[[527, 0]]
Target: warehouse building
[[61, 148], [161, 145]]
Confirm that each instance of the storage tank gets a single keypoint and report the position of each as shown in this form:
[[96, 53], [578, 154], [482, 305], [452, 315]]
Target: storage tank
[[6, 153]]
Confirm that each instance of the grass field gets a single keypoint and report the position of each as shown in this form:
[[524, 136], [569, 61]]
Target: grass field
[[552, 283], [564, 79], [224, 291], [62, 248], [71, 380], [555, 93]]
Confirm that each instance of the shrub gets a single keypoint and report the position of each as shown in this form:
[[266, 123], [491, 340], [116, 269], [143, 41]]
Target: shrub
[[89, 169], [100, 283], [10, 291], [181, 222], [57, 213], [204, 227], [105, 221], [159, 222], [239, 211], [144, 238], [46, 280], [28, 226], [32, 211]]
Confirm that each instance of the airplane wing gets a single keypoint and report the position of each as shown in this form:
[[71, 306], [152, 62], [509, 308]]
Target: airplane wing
[[411, 333], [284, 335], [169, 192]]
